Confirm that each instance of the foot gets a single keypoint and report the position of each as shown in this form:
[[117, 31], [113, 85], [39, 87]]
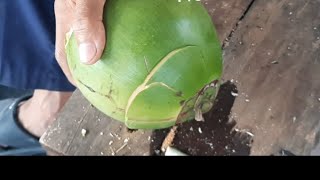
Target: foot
[[38, 112]]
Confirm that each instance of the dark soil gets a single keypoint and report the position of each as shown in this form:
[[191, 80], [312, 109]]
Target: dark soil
[[214, 136]]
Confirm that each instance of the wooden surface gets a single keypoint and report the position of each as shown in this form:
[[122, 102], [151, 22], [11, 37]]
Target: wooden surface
[[103, 136], [271, 60], [226, 14], [274, 57]]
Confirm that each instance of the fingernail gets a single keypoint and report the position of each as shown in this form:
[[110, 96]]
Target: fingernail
[[87, 51]]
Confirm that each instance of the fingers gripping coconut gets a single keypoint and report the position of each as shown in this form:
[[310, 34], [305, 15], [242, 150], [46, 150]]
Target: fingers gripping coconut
[[84, 18], [161, 65]]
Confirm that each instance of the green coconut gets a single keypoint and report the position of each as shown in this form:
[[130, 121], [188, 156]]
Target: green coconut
[[161, 65]]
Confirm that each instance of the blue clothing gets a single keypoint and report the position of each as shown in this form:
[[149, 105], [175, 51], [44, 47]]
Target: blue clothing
[[27, 44]]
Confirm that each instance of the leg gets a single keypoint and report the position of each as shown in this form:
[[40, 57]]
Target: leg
[[38, 112], [23, 120]]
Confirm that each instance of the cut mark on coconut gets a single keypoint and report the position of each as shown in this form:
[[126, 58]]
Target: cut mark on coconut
[[144, 85], [96, 92], [160, 84], [88, 87]]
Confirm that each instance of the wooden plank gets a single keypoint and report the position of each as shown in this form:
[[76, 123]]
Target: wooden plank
[[64, 136], [274, 58], [226, 14]]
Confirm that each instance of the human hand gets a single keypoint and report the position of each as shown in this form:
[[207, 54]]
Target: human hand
[[85, 18]]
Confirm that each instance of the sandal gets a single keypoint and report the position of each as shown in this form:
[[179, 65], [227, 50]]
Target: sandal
[[14, 139]]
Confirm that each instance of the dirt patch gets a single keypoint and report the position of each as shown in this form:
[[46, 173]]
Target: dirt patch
[[214, 136]]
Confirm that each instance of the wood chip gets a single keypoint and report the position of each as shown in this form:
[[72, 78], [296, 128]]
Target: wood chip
[[112, 151], [234, 94], [83, 132], [169, 139], [110, 143], [200, 131], [250, 134], [117, 136], [122, 147], [294, 119]]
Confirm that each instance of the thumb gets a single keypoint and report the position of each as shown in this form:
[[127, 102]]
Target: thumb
[[89, 29]]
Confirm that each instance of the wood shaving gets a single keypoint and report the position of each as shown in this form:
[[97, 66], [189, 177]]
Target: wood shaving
[[169, 139], [83, 132]]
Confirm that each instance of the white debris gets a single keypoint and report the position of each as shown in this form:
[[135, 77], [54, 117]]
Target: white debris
[[231, 80], [174, 152], [101, 153], [112, 151], [210, 144], [290, 13], [294, 119], [149, 138], [247, 100], [249, 133], [122, 147], [319, 99], [191, 129], [111, 134], [117, 136], [274, 62], [126, 140], [269, 53], [234, 94], [200, 131], [101, 133], [315, 28], [110, 143], [83, 132]]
